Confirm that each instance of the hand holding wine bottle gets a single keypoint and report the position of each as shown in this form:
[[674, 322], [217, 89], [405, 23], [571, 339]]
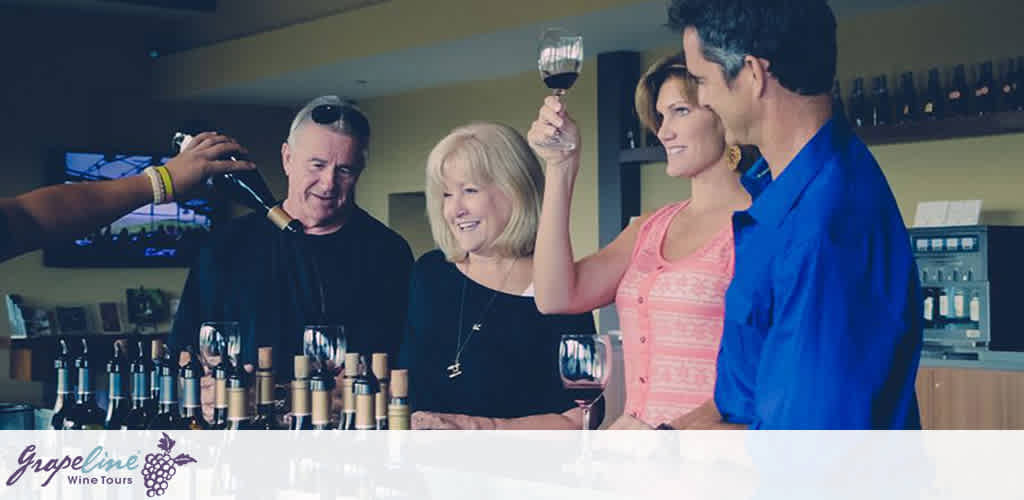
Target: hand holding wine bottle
[[202, 157]]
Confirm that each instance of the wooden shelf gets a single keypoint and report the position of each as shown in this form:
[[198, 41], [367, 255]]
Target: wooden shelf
[[1008, 122]]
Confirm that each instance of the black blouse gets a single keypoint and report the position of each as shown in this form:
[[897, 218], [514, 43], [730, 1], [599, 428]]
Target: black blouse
[[509, 367]]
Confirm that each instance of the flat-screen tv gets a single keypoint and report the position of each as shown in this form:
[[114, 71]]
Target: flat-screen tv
[[165, 235]]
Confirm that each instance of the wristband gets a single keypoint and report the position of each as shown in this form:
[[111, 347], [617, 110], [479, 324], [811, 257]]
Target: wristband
[[159, 196], [165, 175]]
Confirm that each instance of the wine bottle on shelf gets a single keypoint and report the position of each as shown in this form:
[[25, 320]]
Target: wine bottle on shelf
[[117, 407], [347, 422], [398, 405], [380, 404], [956, 98], [220, 395], [156, 354], [881, 109], [238, 399], [858, 104], [139, 415], [65, 396], [191, 373], [1006, 89], [932, 107], [265, 417], [1018, 86], [365, 387], [168, 415], [907, 108], [248, 188], [301, 418], [320, 388], [984, 90], [838, 110], [86, 415]]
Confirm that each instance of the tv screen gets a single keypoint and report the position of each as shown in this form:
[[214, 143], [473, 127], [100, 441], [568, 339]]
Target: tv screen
[[165, 235]]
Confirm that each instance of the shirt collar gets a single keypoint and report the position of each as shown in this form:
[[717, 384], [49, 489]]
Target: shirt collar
[[775, 199]]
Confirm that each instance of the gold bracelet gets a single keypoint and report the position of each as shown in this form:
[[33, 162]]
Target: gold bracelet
[[157, 184], [168, 184]]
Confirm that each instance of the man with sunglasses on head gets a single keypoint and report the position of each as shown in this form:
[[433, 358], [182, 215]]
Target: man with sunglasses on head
[[347, 268]]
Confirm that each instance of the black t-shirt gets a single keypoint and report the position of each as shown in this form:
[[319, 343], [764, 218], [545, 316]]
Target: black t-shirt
[[271, 282], [509, 367]]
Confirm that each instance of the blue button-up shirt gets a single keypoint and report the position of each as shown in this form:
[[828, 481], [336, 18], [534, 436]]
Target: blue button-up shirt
[[823, 316]]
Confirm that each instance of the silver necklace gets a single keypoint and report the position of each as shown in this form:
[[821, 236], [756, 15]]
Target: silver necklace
[[455, 369]]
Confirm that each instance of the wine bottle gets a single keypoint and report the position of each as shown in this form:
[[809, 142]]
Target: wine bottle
[[86, 415], [881, 109], [1006, 89], [191, 373], [301, 419], [139, 416], [1018, 86], [398, 406], [984, 90], [156, 354], [65, 396], [858, 104], [956, 98], [117, 408], [348, 411], [380, 404], [248, 188], [320, 388], [933, 108], [838, 110], [365, 388], [907, 108], [265, 418], [168, 415], [220, 395], [238, 399]]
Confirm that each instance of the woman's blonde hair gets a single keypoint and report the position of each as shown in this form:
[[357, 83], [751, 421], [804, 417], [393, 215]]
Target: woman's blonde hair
[[491, 153], [647, 88]]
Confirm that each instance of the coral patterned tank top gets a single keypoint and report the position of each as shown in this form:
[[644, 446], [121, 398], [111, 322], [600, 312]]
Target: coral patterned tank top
[[671, 315]]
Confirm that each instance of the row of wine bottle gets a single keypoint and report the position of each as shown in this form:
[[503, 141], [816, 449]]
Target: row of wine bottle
[[373, 398], [956, 99]]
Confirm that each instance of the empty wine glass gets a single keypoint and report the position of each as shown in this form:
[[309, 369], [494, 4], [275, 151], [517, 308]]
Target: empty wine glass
[[213, 337], [559, 59], [233, 342], [326, 346], [585, 363]]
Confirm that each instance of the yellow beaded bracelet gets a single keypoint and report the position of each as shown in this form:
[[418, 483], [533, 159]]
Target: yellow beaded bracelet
[[159, 196], [165, 175]]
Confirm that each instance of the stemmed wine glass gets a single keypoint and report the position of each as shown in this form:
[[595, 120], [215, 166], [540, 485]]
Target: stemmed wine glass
[[585, 363], [213, 339], [326, 346], [559, 59]]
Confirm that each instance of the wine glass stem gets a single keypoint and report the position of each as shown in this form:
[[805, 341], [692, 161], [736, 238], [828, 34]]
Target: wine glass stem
[[586, 417], [558, 92]]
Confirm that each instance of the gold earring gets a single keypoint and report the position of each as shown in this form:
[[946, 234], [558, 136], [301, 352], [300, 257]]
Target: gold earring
[[735, 156]]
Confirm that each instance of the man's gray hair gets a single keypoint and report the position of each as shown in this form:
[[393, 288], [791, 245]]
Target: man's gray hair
[[351, 121]]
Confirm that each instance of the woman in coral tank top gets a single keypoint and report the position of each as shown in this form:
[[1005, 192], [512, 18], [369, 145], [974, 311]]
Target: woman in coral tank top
[[668, 270]]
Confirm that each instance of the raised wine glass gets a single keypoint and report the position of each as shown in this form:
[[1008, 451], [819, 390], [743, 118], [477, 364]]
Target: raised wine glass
[[326, 346], [585, 363], [559, 59], [213, 337]]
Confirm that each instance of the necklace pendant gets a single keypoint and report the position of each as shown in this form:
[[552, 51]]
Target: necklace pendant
[[454, 370], [477, 326]]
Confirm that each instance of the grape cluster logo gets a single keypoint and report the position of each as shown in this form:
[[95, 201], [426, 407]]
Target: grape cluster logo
[[160, 467]]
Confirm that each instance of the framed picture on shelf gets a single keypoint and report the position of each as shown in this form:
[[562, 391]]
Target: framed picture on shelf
[[72, 320], [110, 317]]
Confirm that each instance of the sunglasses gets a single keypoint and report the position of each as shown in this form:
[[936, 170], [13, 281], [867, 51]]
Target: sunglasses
[[326, 114]]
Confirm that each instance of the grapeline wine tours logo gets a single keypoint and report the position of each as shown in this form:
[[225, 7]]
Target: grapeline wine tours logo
[[101, 467]]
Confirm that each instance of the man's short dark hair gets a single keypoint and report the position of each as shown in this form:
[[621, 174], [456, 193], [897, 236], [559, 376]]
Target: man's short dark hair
[[798, 37]]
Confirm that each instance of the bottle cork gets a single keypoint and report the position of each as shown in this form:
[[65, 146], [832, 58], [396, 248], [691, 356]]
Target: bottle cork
[[265, 357], [399, 383], [301, 366], [380, 365], [351, 364]]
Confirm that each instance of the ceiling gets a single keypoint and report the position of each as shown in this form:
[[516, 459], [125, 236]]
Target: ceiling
[[632, 25]]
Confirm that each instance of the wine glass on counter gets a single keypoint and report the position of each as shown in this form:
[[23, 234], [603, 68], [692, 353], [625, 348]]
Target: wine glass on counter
[[585, 364], [326, 346], [213, 337], [559, 59]]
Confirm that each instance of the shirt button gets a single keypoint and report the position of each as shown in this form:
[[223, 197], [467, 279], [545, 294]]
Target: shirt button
[[643, 380], [634, 414], [660, 268], [640, 300], [643, 340]]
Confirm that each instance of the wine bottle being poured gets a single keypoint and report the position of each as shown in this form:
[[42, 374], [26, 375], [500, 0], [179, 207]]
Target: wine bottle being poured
[[248, 188]]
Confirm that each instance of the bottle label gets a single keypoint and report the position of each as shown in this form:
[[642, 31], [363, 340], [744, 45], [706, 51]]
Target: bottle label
[[84, 381], [348, 395], [192, 393], [114, 390], [238, 406], [63, 385], [944, 306], [265, 382], [140, 386], [958, 305], [381, 401], [929, 303], [398, 417], [365, 411], [300, 398], [321, 407], [220, 393], [168, 389], [975, 309]]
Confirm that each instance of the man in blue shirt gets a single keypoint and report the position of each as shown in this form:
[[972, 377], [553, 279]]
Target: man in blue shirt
[[822, 320]]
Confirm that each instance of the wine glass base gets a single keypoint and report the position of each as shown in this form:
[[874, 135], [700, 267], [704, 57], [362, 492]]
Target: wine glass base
[[557, 146]]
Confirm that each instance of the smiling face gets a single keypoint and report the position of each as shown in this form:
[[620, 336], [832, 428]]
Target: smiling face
[[476, 213], [729, 101], [322, 166], [691, 134]]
